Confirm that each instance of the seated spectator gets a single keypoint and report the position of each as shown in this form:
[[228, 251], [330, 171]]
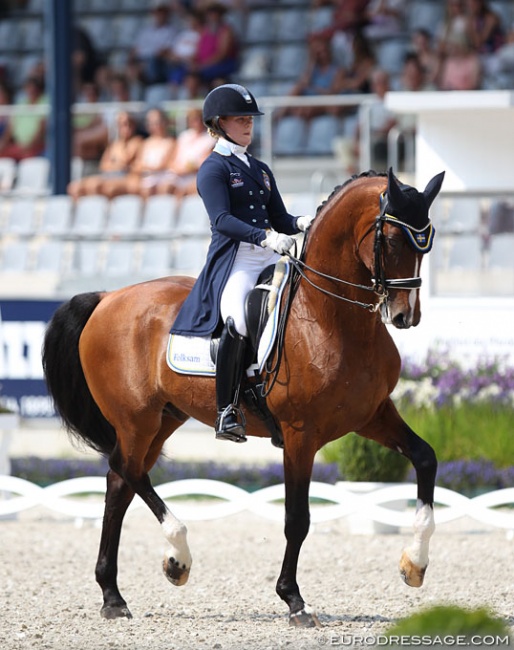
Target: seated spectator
[[356, 78], [428, 58], [183, 50], [384, 18], [501, 67], [26, 133], [217, 52], [320, 77], [382, 121], [153, 45], [454, 25], [90, 133], [461, 68], [84, 60], [152, 160], [115, 161], [484, 27], [349, 16], [192, 148]]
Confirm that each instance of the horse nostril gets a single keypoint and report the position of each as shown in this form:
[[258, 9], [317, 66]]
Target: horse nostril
[[400, 322]]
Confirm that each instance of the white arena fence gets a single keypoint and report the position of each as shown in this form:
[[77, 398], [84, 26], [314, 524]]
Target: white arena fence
[[328, 502]]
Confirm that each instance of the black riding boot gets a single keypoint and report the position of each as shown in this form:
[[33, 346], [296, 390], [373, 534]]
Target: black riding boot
[[230, 424]]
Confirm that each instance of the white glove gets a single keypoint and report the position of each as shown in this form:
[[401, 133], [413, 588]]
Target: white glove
[[304, 223], [277, 241]]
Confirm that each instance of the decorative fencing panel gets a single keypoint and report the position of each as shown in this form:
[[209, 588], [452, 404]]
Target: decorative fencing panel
[[328, 502]]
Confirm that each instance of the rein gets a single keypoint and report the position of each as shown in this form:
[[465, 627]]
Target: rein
[[379, 284]]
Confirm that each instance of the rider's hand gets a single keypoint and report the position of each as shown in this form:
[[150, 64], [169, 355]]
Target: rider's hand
[[277, 241], [304, 223]]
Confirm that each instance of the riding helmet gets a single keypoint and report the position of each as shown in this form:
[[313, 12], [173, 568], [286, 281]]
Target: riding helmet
[[228, 99]]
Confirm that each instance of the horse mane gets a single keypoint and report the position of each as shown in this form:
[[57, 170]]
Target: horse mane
[[371, 173]]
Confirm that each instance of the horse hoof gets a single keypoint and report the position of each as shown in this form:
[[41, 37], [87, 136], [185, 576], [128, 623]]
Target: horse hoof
[[176, 574], [304, 618], [412, 574], [115, 611]]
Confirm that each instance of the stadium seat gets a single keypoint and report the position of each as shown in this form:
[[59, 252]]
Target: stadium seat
[[14, 257], [288, 61], [465, 252], [155, 259], [124, 215], [321, 134], [32, 176], [50, 256], [260, 26], [159, 215], [501, 251], [57, 215], [7, 173], [290, 136], [88, 257], [190, 255], [192, 217], [90, 214], [21, 217], [119, 259], [291, 24]]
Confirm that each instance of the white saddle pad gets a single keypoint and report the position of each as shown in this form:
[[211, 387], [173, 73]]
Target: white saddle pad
[[191, 355]]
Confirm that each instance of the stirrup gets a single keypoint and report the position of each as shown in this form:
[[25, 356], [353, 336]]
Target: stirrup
[[228, 426]]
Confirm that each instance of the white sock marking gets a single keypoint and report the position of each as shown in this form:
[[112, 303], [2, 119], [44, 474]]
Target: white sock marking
[[424, 527], [176, 534]]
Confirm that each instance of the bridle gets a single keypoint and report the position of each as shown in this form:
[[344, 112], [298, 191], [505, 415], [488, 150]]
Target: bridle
[[380, 285]]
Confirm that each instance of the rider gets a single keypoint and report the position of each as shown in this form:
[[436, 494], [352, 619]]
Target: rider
[[250, 229]]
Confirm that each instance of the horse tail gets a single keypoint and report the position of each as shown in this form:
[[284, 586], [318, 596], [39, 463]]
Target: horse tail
[[65, 378]]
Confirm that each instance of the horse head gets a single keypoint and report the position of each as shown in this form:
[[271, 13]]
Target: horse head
[[403, 234]]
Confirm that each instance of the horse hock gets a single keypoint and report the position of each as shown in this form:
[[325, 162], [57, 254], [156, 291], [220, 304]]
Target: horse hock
[[177, 560], [414, 559]]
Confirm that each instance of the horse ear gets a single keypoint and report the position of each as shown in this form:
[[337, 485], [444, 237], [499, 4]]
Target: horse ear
[[394, 191], [432, 188]]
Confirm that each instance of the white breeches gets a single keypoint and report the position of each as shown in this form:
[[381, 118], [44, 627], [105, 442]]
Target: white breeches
[[250, 261]]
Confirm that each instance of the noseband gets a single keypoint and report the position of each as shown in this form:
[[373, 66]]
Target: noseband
[[380, 285]]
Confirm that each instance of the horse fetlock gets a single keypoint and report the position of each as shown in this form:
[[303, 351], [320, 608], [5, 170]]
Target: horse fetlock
[[412, 574]]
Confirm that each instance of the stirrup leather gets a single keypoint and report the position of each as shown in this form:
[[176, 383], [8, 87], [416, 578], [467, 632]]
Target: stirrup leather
[[231, 424]]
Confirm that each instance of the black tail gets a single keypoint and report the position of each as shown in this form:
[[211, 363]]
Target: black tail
[[65, 377]]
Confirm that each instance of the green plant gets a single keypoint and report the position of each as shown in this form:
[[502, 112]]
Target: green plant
[[444, 624], [360, 459]]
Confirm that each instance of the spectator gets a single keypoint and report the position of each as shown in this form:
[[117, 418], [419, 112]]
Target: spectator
[[84, 60], [428, 58], [381, 121], [192, 148], [90, 133], [26, 133], [217, 52], [183, 50], [384, 18], [484, 27], [356, 78], [115, 161], [153, 47], [461, 69], [152, 160], [319, 78], [455, 25]]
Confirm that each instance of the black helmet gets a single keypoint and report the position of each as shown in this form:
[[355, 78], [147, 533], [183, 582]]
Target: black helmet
[[229, 99]]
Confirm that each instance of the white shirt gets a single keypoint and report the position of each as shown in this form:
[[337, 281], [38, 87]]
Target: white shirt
[[232, 147]]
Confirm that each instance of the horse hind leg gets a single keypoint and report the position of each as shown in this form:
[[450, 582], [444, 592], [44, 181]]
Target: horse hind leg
[[389, 429], [134, 467]]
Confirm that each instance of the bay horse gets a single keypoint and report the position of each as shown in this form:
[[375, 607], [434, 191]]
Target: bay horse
[[105, 366]]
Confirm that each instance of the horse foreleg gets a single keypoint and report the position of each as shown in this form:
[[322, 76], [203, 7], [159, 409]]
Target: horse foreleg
[[117, 499], [389, 429], [297, 472]]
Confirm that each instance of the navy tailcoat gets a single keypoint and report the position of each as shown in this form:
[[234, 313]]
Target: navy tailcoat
[[242, 202]]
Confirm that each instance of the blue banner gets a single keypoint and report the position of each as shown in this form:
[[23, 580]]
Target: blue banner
[[22, 329]]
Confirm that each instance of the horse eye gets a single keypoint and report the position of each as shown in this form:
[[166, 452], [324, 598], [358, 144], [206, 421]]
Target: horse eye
[[394, 243]]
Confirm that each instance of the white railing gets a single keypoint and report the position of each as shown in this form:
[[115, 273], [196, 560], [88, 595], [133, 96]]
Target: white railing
[[338, 501]]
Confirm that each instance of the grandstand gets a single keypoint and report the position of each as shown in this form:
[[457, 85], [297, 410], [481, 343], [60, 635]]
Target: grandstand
[[45, 248]]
